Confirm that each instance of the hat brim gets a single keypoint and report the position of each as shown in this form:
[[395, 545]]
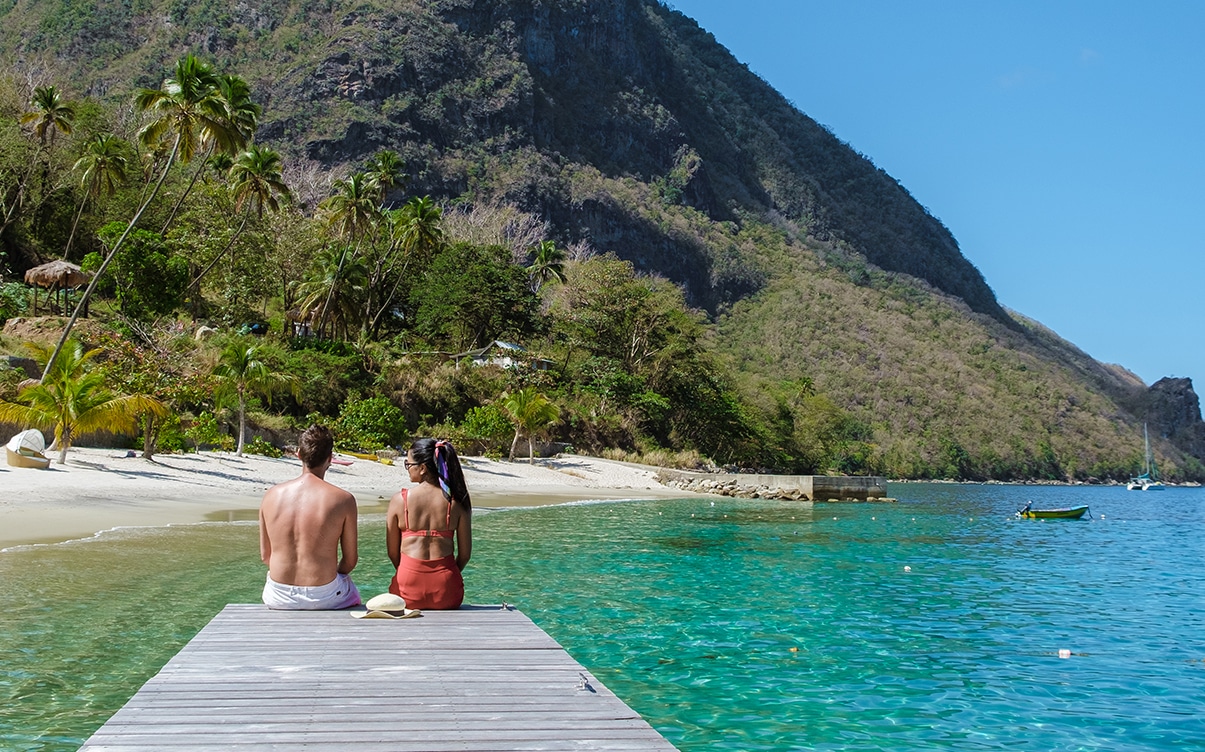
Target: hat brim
[[408, 613]]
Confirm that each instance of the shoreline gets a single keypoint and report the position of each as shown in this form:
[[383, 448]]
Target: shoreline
[[100, 490]]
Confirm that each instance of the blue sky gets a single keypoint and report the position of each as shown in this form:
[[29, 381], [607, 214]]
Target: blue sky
[[1063, 143]]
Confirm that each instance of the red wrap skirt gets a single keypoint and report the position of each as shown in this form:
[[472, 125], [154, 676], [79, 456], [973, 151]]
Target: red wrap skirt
[[434, 584]]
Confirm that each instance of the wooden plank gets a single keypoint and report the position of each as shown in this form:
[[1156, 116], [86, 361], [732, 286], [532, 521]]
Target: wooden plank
[[475, 680]]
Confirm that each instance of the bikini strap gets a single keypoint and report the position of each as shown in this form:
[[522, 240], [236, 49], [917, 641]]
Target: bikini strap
[[405, 511]]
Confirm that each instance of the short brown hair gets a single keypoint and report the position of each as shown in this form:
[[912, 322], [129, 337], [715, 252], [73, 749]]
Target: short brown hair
[[316, 446]]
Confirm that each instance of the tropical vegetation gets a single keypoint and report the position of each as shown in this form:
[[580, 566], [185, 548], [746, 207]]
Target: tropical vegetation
[[74, 399], [425, 219]]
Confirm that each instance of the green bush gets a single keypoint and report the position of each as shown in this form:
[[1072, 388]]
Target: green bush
[[258, 445], [14, 300], [206, 431], [9, 379], [149, 280], [369, 424], [486, 423], [325, 376], [170, 436]]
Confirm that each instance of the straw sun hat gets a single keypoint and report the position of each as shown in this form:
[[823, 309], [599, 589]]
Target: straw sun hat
[[386, 606]]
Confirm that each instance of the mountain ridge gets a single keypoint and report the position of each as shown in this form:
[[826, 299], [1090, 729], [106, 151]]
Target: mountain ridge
[[628, 128]]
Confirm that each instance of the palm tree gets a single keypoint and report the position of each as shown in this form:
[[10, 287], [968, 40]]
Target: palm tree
[[241, 374], [548, 264], [71, 400], [104, 169], [352, 210], [49, 114], [240, 118], [220, 164], [186, 110], [257, 182], [386, 171], [418, 231], [352, 213], [532, 412], [242, 113], [334, 286], [421, 231]]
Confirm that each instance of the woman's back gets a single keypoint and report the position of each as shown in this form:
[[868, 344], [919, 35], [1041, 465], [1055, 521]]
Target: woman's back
[[427, 522]]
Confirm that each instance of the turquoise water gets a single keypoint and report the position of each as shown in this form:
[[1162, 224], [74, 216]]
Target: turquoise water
[[738, 625]]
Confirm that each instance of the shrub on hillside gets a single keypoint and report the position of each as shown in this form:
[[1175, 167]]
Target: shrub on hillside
[[14, 300], [369, 424]]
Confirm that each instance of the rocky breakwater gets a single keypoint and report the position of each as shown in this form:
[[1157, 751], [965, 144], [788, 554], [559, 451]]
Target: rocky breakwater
[[783, 487]]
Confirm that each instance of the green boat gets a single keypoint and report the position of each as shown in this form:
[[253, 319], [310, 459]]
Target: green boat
[[1068, 513]]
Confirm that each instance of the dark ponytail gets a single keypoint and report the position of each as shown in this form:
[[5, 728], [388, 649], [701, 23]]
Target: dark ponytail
[[440, 458]]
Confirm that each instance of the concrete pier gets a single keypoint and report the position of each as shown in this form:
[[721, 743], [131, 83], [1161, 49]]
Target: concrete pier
[[791, 487]]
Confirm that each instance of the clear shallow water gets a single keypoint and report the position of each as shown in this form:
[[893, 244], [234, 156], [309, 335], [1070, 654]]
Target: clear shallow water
[[743, 625]]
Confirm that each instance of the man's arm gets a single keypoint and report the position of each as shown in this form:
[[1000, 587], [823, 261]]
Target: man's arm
[[348, 539]]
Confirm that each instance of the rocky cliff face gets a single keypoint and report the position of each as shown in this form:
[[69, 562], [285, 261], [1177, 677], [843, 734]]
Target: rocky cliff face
[[513, 100], [510, 99], [1174, 411]]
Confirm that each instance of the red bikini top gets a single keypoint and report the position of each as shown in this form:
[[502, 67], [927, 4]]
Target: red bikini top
[[408, 533]]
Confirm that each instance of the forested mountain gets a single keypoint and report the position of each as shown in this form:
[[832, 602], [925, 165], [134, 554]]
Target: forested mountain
[[840, 311]]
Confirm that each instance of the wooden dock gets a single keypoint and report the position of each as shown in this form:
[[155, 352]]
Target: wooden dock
[[481, 678]]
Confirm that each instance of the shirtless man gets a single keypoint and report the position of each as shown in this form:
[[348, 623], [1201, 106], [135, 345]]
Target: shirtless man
[[303, 523]]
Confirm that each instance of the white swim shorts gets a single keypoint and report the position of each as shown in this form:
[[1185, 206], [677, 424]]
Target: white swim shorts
[[339, 593]]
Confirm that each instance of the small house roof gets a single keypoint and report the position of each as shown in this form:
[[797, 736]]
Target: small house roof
[[479, 352]]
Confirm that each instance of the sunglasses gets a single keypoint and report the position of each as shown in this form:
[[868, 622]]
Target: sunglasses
[[408, 464]]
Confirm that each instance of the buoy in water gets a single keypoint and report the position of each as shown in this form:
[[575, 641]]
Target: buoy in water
[[1064, 653], [907, 568]]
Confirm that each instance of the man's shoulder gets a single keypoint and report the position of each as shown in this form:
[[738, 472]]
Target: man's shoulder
[[333, 492]]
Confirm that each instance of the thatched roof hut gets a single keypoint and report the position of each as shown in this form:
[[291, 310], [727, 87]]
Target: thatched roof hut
[[56, 275]]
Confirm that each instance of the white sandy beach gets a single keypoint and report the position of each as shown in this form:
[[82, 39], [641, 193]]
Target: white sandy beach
[[99, 489]]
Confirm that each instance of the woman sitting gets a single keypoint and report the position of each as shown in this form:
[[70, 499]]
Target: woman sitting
[[428, 530]]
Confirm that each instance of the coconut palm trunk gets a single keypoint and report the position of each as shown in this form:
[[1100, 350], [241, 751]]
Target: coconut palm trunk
[[221, 253], [74, 225], [514, 443], [242, 422], [188, 189], [83, 301]]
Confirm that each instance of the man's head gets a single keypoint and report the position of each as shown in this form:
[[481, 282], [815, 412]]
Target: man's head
[[316, 445]]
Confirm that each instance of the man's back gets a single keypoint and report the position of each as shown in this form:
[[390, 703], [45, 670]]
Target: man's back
[[302, 524]]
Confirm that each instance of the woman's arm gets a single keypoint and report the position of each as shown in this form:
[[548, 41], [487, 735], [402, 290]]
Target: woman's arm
[[464, 539]]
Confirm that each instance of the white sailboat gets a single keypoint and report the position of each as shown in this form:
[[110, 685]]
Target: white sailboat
[[1149, 480]]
